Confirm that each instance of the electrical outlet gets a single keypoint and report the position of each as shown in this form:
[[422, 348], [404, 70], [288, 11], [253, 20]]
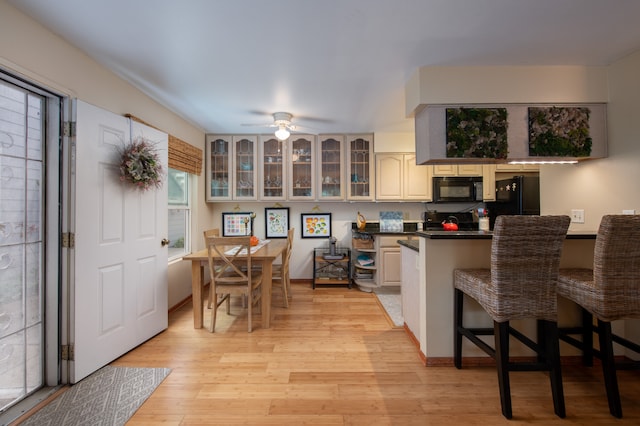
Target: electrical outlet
[[577, 216], [628, 212]]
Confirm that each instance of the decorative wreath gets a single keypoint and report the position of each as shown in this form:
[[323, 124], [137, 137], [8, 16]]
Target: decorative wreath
[[140, 165]]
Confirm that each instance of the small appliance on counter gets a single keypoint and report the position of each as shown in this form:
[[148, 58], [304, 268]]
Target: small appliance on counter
[[332, 254], [519, 195]]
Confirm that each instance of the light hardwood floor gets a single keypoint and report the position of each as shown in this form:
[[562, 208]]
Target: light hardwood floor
[[333, 358]]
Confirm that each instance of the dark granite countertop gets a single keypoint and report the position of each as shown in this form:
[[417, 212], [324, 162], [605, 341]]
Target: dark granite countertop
[[373, 228], [412, 244], [487, 235]]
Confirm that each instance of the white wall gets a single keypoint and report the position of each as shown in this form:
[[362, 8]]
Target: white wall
[[29, 50]]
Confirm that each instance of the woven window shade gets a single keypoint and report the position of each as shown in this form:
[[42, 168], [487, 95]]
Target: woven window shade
[[182, 155]]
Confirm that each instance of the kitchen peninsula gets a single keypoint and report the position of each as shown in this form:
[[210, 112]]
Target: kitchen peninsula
[[439, 253]]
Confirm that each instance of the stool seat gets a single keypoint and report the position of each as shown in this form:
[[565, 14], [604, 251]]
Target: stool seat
[[525, 260]]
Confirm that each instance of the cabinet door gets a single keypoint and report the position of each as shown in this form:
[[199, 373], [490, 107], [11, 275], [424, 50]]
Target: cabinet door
[[390, 271], [245, 156], [445, 170], [469, 169], [517, 167], [489, 182], [360, 167], [301, 177], [331, 167], [389, 176], [218, 167], [417, 180], [272, 164]]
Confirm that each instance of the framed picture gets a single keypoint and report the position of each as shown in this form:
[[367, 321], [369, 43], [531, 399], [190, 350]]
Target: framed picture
[[236, 224], [276, 222], [316, 225]]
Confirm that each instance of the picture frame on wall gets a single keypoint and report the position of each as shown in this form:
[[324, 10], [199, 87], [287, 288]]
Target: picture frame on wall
[[237, 224], [276, 222], [315, 225]]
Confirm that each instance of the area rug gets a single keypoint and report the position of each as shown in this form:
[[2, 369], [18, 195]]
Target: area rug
[[391, 301], [110, 396]]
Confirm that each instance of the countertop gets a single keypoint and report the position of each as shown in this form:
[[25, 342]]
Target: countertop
[[487, 235], [412, 244]]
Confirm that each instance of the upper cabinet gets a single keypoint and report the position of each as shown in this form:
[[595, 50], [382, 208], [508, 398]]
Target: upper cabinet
[[517, 168], [301, 181], [218, 167], [360, 167], [331, 167], [457, 170], [272, 164], [245, 162], [399, 178]]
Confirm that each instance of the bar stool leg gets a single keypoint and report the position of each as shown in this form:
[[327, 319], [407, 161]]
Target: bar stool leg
[[609, 368], [501, 335], [457, 336], [552, 357]]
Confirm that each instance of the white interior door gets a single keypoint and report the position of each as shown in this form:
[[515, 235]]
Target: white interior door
[[119, 284]]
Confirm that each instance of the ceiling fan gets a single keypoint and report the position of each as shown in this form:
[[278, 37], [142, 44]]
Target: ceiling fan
[[281, 120]]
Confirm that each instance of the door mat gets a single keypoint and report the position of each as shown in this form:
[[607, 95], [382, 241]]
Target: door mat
[[110, 396]]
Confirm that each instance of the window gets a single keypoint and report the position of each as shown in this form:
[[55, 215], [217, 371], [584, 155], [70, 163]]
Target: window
[[179, 213]]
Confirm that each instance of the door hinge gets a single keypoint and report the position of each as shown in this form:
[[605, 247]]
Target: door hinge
[[67, 353], [68, 240], [69, 129]]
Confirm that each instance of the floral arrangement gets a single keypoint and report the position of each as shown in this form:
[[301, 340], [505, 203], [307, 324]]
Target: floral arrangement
[[477, 132], [140, 164], [559, 131]]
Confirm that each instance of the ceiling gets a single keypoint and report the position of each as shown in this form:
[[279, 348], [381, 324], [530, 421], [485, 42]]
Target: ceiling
[[336, 65]]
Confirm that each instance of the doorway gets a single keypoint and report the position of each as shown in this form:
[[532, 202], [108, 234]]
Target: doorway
[[29, 144]]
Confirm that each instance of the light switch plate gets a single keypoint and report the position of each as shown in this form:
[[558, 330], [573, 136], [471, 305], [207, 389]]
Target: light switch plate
[[628, 212], [577, 216]]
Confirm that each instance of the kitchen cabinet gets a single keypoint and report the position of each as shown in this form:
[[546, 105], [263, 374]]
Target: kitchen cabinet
[[244, 166], [489, 182], [360, 167], [389, 262], [218, 167], [457, 170], [517, 168], [399, 178], [302, 177], [272, 164], [331, 270], [410, 289], [331, 167]]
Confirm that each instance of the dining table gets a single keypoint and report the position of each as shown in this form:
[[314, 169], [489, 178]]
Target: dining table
[[264, 256]]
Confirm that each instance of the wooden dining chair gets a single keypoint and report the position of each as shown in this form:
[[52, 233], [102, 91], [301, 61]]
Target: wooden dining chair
[[521, 284], [280, 275], [231, 274], [609, 292], [215, 232]]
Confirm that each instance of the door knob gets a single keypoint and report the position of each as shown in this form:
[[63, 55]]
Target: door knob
[[164, 242]]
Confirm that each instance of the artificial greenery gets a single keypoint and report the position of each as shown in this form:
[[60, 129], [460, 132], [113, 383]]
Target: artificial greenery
[[477, 133], [140, 164], [559, 131]]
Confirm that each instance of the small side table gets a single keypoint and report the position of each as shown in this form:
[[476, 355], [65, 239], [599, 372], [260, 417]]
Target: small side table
[[334, 270]]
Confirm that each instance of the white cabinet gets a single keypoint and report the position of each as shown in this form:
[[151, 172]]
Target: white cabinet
[[457, 170], [302, 177], [410, 290], [489, 182], [272, 160], [231, 167], [389, 264], [399, 178], [331, 169], [360, 167], [517, 168]]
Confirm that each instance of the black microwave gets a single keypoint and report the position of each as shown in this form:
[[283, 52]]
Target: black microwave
[[457, 189]]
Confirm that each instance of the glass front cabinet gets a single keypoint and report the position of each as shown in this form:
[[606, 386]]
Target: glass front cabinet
[[360, 167], [231, 167], [272, 161], [331, 167], [218, 167], [302, 167]]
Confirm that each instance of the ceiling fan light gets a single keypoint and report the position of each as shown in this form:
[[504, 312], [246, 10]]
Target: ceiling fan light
[[282, 133]]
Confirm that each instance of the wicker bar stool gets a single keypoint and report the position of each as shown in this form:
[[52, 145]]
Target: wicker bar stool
[[610, 291], [525, 260]]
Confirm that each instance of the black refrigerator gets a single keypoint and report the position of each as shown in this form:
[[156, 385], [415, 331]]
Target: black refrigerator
[[519, 195]]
